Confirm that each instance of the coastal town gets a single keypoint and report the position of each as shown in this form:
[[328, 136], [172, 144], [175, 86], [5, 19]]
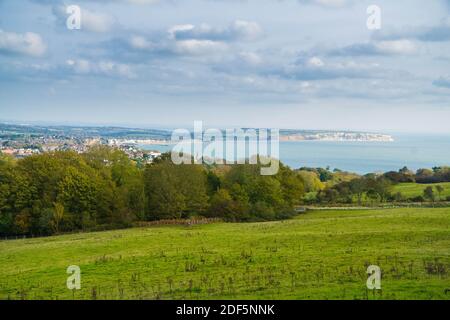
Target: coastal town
[[22, 141]]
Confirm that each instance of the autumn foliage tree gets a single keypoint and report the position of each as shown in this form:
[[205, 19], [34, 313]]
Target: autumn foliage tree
[[102, 189]]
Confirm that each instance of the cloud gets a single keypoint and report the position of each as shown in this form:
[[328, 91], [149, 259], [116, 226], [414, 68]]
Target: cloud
[[322, 3], [443, 82], [315, 68], [140, 42], [199, 47], [327, 3], [137, 2], [246, 30], [182, 40], [250, 58], [306, 69], [437, 33], [104, 68], [140, 48], [142, 2], [392, 47], [90, 21], [395, 47], [30, 44], [238, 30], [315, 62], [185, 40]]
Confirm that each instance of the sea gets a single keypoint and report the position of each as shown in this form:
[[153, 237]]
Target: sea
[[412, 150]]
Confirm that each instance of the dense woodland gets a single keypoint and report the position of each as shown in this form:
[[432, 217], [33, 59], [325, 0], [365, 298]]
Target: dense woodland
[[65, 191], [101, 189]]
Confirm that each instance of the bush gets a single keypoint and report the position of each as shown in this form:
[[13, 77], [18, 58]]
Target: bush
[[263, 211], [418, 199]]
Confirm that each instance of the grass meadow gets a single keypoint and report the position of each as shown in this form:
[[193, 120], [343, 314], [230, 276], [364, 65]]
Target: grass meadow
[[318, 255], [411, 190]]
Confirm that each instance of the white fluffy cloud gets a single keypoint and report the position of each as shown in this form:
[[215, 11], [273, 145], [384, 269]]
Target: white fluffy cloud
[[396, 47], [188, 39], [315, 62], [141, 43], [238, 30], [96, 22], [199, 47], [29, 43]]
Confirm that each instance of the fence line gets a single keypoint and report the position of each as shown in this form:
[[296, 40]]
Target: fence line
[[187, 222]]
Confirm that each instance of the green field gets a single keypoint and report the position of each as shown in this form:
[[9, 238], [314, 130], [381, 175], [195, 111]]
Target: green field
[[411, 190], [318, 255]]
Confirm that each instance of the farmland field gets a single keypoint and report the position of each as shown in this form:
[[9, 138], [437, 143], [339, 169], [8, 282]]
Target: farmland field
[[411, 190], [318, 255]]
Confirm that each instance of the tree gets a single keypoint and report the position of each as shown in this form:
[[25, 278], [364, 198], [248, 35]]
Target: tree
[[5, 188], [428, 193], [263, 210], [213, 181], [192, 183], [358, 187], [267, 190], [222, 205], [263, 197], [399, 197], [58, 216], [164, 198], [372, 195], [439, 190], [23, 221], [425, 176], [329, 195], [78, 192], [325, 174], [345, 192], [381, 186], [311, 181], [292, 185], [128, 185]]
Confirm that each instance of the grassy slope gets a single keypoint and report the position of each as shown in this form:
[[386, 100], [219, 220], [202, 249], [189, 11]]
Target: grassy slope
[[318, 255], [411, 190]]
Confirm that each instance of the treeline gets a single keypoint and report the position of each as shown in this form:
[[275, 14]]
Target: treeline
[[233, 193], [103, 189], [424, 176], [337, 187], [367, 189]]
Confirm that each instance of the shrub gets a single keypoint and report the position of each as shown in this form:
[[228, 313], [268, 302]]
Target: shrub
[[418, 199]]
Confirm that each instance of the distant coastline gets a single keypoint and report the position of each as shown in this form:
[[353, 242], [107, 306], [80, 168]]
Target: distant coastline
[[336, 136], [123, 135]]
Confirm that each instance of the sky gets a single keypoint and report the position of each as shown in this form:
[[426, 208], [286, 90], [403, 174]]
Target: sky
[[303, 64]]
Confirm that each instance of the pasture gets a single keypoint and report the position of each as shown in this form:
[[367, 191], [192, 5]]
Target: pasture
[[411, 190], [318, 255]]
